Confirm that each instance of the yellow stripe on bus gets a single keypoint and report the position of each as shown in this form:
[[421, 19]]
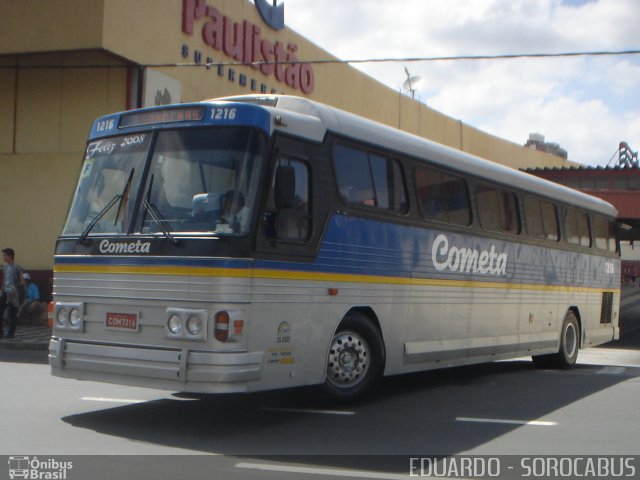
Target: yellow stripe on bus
[[274, 274]]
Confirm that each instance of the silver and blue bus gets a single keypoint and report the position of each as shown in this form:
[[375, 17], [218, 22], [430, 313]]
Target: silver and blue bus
[[266, 242]]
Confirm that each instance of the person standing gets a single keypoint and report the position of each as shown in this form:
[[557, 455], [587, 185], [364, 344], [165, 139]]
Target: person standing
[[12, 287]]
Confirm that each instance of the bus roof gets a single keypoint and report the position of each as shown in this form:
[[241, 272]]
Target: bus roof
[[350, 125]]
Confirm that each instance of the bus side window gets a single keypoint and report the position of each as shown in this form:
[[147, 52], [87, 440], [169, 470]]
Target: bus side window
[[368, 179], [291, 224], [585, 233], [604, 233], [497, 209], [576, 225], [540, 218], [442, 197], [353, 175], [550, 221]]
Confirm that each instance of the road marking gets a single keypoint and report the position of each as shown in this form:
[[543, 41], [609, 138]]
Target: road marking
[[506, 421], [330, 472], [611, 371], [112, 400], [307, 410]]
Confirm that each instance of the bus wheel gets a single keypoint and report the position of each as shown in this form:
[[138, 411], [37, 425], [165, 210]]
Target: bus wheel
[[567, 355], [356, 360]]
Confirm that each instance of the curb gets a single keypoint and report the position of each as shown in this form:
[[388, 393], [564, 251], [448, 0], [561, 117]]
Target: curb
[[7, 344]]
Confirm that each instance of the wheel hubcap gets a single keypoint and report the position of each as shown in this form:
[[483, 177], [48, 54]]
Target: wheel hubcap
[[570, 340], [348, 359]]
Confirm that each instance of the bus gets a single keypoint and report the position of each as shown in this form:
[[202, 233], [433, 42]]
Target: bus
[[264, 242]]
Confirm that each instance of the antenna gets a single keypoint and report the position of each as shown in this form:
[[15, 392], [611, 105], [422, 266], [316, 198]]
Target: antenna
[[412, 83]]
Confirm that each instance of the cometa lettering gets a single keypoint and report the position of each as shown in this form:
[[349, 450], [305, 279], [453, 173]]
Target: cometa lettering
[[467, 260], [124, 247]]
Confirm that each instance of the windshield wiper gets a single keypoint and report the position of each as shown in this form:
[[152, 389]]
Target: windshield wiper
[[125, 195], [107, 207], [155, 215]]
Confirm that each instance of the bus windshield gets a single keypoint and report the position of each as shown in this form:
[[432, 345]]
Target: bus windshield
[[198, 181], [111, 173]]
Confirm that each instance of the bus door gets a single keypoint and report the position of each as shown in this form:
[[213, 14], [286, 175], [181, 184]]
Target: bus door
[[288, 229], [287, 242]]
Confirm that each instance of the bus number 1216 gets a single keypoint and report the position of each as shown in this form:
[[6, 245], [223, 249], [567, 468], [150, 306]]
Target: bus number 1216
[[223, 114]]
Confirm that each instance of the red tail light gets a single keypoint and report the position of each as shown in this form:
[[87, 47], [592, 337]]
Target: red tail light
[[50, 309], [221, 327]]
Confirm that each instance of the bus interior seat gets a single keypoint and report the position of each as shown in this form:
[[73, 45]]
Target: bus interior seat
[[206, 206]]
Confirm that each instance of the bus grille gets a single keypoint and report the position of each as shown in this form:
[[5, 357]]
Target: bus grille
[[607, 307]]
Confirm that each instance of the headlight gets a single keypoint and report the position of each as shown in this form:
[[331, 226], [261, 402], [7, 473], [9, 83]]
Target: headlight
[[62, 317], [68, 316], [186, 324], [194, 325], [175, 324], [75, 317]]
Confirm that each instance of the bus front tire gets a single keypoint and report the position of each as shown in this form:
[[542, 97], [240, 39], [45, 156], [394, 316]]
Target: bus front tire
[[355, 361], [567, 354]]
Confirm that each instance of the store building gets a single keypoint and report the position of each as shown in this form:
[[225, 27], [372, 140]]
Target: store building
[[65, 62]]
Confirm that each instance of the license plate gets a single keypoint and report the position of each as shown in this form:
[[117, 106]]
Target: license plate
[[124, 321]]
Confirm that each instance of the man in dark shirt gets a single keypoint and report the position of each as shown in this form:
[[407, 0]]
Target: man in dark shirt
[[12, 286]]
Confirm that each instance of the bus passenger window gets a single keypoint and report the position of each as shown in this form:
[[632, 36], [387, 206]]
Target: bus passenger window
[[352, 171], [604, 232], [443, 197], [576, 227], [540, 218], [571, 227], [370, 180], [550, 221], [388, 184], [583, 225], [497, 209]]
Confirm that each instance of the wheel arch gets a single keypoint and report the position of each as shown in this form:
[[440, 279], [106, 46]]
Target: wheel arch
[[370, 313], [576, 311], [367, 312]]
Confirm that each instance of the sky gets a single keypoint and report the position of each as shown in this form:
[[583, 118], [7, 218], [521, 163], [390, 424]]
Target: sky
[[588, 105]]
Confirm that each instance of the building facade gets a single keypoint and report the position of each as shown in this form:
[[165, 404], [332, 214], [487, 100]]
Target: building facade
[[65, 62]]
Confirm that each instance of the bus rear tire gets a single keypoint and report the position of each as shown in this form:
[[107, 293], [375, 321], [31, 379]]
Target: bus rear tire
[[567, 355], [355, 361]]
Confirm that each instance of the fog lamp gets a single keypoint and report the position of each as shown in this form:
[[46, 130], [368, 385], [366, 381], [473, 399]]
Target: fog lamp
[[75, 317], [194, 325], [175, 324]]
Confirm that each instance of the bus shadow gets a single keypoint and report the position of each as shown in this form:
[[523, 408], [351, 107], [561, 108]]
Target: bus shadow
[[36, 357], [415, 414]]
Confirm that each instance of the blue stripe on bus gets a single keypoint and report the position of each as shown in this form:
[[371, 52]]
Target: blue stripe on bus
[[358, 246], [141, 261]]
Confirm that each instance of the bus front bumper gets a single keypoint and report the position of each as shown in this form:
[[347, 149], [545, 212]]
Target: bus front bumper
[[180, 370]]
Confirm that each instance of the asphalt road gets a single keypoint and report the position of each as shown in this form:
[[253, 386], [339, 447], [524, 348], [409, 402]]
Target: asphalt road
[[503, 408], [630, 320]]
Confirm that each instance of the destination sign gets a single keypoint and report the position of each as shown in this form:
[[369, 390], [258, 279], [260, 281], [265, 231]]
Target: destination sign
[[169, 115]]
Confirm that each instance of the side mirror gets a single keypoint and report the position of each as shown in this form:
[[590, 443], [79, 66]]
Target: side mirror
[[285, 187]]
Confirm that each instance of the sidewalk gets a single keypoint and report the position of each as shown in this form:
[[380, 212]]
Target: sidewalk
[[28, 337]]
